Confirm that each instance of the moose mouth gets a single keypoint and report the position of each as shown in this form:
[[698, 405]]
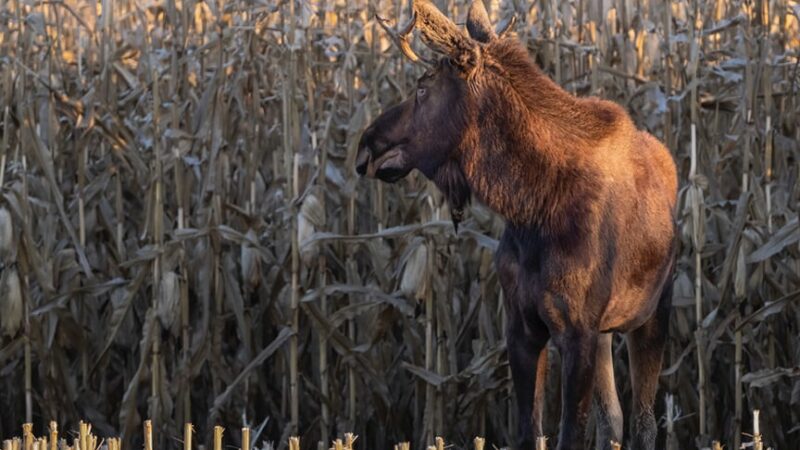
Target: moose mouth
[[390, 167]]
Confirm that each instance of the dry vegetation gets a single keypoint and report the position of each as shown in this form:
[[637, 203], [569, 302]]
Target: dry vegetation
[[182, 236]]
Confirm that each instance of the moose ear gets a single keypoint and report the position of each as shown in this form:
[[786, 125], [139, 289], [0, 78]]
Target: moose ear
[[478, 24], [443, 36]]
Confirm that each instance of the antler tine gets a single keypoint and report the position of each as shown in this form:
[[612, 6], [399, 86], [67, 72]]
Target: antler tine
[[400, 37], [501, 31]]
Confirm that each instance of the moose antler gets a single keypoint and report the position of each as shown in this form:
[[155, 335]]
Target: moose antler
[[438, 32], [400, 37], [444, 37]]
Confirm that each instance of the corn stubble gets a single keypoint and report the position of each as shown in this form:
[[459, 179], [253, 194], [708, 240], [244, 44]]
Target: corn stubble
[[183, 237], [88, 441]]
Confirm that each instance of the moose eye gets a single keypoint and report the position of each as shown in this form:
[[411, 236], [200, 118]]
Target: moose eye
[[421, 92]]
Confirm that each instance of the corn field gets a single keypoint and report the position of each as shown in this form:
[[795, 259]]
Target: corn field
[[183, 237]]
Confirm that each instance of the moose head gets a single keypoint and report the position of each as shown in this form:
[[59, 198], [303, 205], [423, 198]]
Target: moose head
[[429, 130]]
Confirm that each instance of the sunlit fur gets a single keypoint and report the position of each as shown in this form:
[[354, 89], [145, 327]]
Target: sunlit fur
[[558, 152]]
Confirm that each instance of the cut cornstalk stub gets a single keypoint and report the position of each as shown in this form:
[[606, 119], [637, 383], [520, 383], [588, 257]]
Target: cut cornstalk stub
[[188, 429], [758, 444], [245, 438], [218, 431], [148, 435], [27, 436], [349, 440], [53, 435]]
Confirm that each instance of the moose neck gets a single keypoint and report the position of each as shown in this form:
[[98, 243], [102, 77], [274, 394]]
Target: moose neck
[[528, 156]]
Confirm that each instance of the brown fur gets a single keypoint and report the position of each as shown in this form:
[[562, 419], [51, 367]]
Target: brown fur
[[568, 147], [571, 160], [589, 202]]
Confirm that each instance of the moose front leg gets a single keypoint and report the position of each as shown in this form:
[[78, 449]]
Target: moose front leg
[[578, 350]]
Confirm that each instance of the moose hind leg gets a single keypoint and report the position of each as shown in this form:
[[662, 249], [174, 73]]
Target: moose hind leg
[[578, 353], [523, 355], [645, 351], [539, 393], [607, 408]]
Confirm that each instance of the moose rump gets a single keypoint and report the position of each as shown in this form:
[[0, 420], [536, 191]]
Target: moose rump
[[588, 202]]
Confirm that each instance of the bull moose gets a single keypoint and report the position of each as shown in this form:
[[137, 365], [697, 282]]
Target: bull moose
[[588, 200]]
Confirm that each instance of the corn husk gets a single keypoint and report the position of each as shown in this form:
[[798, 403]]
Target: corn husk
[[309, 220], [251, 262], [414, 279], [10, 302], [6, 236], [169, 302]]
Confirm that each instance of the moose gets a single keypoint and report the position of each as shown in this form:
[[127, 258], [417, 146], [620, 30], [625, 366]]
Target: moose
[[588, 200]]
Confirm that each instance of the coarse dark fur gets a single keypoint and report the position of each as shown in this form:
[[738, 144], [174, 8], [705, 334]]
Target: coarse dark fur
[[589, 203]]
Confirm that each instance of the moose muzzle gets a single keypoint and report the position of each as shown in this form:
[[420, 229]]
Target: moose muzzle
[[390, 165]]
